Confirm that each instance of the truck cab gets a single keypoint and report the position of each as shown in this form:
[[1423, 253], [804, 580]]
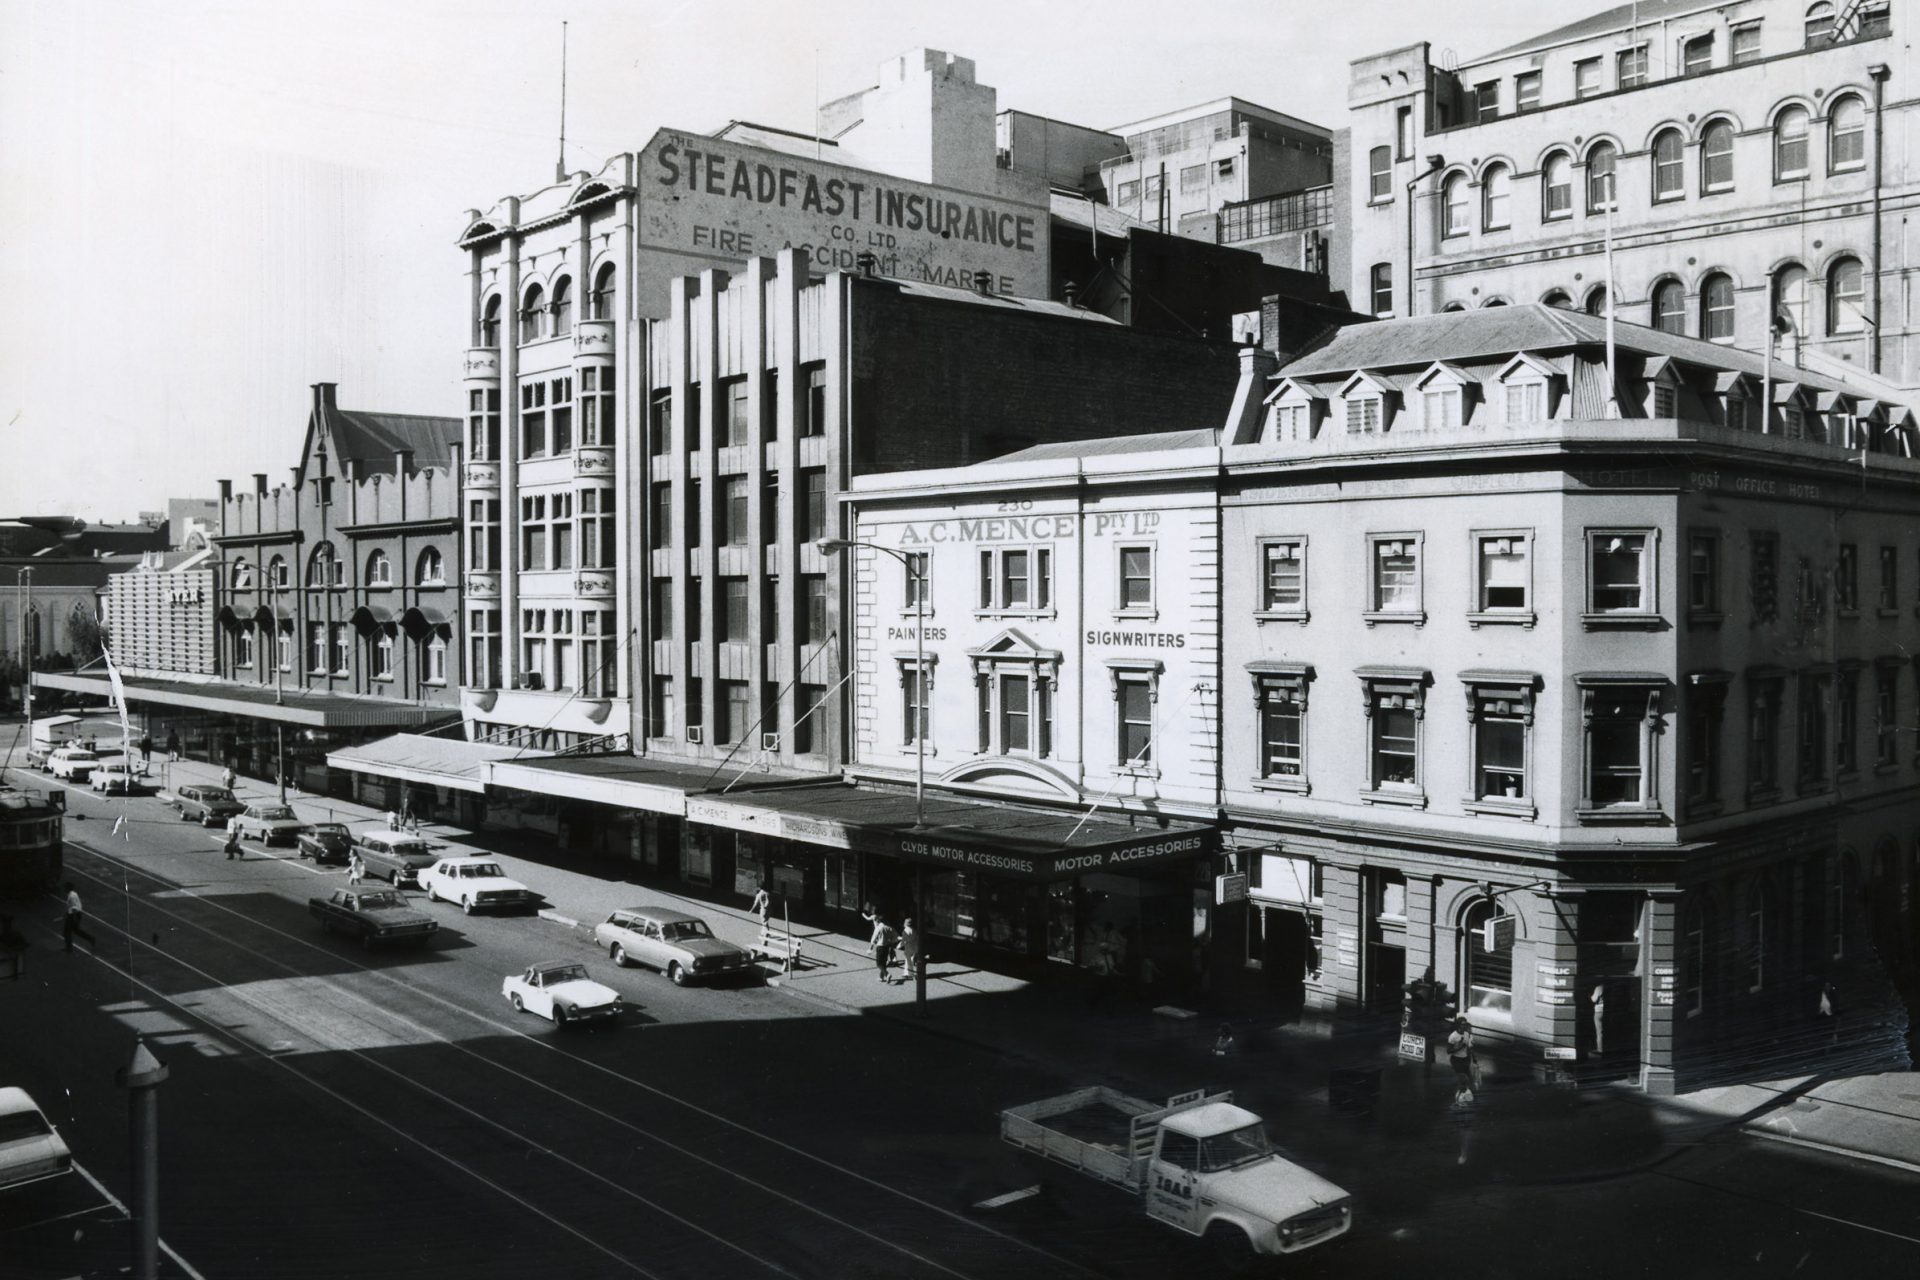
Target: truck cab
[[1212, 1165]]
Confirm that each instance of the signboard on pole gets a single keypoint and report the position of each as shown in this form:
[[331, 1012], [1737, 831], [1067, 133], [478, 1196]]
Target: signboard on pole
[[1498, 932], [1230, 888], [1413, 1047]]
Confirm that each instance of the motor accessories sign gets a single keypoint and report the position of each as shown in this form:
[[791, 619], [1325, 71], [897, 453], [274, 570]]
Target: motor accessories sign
[[713, 198]]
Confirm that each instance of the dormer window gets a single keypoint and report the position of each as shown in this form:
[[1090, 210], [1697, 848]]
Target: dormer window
[[1440, 407], [1295, 414], [1367, 408], [1363, 413]]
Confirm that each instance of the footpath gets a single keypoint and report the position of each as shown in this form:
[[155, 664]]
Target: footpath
[[1322, 1083]]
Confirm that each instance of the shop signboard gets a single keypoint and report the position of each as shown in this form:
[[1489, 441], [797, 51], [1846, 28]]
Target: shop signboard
[[1230, 888], [1561, 1053], [978, 853], [1413, 1046], [726, 201]]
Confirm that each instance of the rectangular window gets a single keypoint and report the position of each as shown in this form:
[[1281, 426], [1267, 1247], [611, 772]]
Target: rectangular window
[[317, 647], [560, 415], [739, 425], [1403, 133], [1486, 101], [1586, 77], [662, 530], [1746, 43], [813, 592], [483, 534], [342, 649], [1810, 700], [1619, 573], [770, 406], [596, 405], [1696, 56], [1703, 573], [736, 711], [662, 609], [598, 536], [1846, 722], [283, 647], [913, 580], [696, 702], [1016, 713], [770, 609], [813, 482], [383, 658], [1127, 192], [1283, 723], [1886, 717], [1631, 67], [1016, 580], [694, 423], [1193, 178], [483, 425], [1396, 574], [1763, 735], [1763, 576], [1889, 599], [483, 648], [1616, 739], [660, 708], [770, 509], [244, 648], [1135, 714], [1703, 743], [1394, 738], [696, 609], [1526, 401], [809, 720], [1846, 579], [734, 516], [1382, 288], [533, 532], [660, 423], [1363, 414], [533, 419], [560, 505], [1506, 573], [815, 421], [733, 611], [1283, 585], [1440, 408], [913, 686], [1526, 91], [1379, 174], [1136, 578], [696, 520], [1500, 748]]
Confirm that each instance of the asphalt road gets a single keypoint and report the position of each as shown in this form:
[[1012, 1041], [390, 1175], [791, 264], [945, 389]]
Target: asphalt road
[[333, 1112]]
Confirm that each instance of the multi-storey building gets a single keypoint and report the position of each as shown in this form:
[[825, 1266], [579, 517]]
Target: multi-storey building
[[1181, 168], [1596, 712], [1750, 164]]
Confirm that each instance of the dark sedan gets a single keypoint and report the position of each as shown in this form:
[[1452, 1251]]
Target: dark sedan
[[326, 842], [373, 916]]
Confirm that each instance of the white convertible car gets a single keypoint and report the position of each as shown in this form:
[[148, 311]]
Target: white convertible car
[[562, 992]]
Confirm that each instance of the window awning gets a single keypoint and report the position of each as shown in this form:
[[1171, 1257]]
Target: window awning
[[1017, 842], [432, 615], [630, 782], [258, 701], [454, 763]]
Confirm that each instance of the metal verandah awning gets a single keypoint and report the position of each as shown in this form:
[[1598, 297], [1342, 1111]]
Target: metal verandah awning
[[625, 781], [258, 701], [454, 763]]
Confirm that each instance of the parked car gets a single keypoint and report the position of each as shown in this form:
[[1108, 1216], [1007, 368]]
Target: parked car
[[30, 1148], [207, 805], [73, 764], [372, 915], [326, 842], [677, 944], [474, 883], [562, 992], [271, 824], [115, 778], [394, 856]]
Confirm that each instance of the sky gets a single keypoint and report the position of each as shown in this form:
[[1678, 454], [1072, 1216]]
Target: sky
[[207, 207]]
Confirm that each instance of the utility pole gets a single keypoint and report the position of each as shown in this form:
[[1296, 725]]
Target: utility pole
[[142, 1079]]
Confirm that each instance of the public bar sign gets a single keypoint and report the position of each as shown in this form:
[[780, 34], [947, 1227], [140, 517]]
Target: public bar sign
[[719, 199]]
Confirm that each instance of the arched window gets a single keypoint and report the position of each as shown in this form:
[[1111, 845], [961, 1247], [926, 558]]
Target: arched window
[[1600, 163], [1846, 135], [531, 308], [1819, 24], [1670, 307], [322, 569], [1846, 297], [562, 307], [1453, 202], [432, 570], [1487, 975], [379, 570], [603, 292], [243, 646], [1790, 144], [1496, 191], [1556, 186], [1493, 302], [436, 666], [241, 577], [1759, 936], [490, 322], [1716, 308], [1669, 165], [277, 572], [1596, 304], [1790, 297], [1558, 298], [1693, 960], [1455, 306], [1716, 157]]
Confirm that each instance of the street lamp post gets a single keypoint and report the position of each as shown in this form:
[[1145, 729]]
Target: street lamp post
[[23, 591], [833, 546]]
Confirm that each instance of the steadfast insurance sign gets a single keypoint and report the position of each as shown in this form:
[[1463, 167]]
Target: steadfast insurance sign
[[716, 199]]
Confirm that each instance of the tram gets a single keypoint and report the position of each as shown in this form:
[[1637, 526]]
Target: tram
[[32, 830]]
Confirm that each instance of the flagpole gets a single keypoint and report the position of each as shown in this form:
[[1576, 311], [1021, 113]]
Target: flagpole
[[1613, 383]]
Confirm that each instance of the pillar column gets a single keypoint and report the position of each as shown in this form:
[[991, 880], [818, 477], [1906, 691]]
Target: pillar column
[[1659, 990]]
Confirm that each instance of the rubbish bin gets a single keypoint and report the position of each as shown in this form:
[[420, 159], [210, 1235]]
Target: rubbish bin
[[1353, 1091]]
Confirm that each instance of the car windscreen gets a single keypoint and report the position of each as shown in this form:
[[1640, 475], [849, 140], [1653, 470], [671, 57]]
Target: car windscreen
[[380, 901], [274, 814], [475, 870], [1225, 1150], [330, 829], [213, 793], [683, 930], [23, 1124], [563, 973]]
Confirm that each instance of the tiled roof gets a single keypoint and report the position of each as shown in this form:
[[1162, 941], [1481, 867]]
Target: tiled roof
[[1494, 331], [1651, 13], [1200, 437], [373, 437]]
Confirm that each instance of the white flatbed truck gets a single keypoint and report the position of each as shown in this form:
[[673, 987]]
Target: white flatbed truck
[[1199, 1163]]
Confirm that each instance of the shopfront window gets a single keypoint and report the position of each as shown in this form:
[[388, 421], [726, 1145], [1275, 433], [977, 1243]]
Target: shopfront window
[[1488, 974]]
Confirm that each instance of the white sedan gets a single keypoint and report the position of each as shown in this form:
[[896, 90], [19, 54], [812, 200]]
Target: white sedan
[[561, 992], [473, 883], [114, 778], [30, 1148]]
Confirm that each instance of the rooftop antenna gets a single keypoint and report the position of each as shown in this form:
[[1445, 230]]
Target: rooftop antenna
[[560, 165]]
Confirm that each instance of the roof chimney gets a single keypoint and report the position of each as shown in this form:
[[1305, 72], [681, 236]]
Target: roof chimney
[[1072, 292], [226, 491], [323, 397], [260, 484], [868, 263]]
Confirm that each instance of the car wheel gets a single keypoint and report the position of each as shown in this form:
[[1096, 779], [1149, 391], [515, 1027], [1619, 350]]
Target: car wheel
[[618, 954], [514, 1000], [676, 974], [431, 895], [466, 905], [562, 1015], [366, 941]]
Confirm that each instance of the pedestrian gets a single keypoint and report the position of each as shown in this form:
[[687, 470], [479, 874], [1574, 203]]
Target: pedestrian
[[393, 819], [1829, 1011], [355, 868], [146, 750], [1460, 1058], [883, 943], [173, 746], [762, 903], [1226, 1042], [233, 842], [75, 925], [228, 778], [910, 958]]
